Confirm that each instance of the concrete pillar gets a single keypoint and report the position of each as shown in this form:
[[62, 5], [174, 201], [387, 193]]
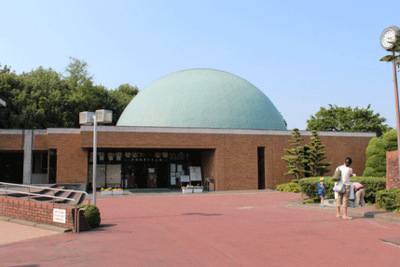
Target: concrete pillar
[[28, 147]]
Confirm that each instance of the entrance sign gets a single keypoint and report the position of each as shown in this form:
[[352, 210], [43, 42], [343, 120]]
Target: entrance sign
[[185, 178], [195, 173], [59, 215]]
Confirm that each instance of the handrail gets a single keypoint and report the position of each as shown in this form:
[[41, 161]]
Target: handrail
[[76, 226], [43, 187]]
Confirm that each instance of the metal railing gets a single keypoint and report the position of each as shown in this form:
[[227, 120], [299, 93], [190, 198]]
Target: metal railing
[[53, 197]]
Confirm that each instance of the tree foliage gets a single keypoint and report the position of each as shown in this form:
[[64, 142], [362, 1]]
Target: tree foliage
[[296, 157], [306, 161], [316, 155], [43, 98], [347, 119], [376, 154]]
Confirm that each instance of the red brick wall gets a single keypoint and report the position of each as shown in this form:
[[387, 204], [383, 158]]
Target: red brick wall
[[11, 141], [40, 142], [36, 211], [72, 160], [392, 170], [233, 160], [207, 160]]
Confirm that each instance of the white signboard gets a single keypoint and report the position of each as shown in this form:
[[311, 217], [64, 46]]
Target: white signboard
[[113, 174], [185, 178], [179, 168], [59, 215], [195, 173]]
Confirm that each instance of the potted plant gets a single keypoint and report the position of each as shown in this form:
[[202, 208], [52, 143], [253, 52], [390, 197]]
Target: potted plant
[[187, 189], [106, 191], [118, 191], [197, 189]]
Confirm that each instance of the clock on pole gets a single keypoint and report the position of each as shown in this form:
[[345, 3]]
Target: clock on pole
[[389, 35]]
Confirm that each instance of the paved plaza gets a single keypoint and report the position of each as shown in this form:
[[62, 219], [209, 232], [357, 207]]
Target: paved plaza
[[244, 228]]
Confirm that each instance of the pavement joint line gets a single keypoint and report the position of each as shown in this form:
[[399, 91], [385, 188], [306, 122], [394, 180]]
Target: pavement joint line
[[359, 213]]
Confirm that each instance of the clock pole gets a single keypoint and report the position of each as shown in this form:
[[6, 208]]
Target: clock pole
[[396, 97], [387, 39]]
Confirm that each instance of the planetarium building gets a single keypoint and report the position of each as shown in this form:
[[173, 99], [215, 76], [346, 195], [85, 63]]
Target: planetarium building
[[191, 126]]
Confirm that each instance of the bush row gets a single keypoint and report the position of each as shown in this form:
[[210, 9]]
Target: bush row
[[388, 200], [289, 187], [309, 186]]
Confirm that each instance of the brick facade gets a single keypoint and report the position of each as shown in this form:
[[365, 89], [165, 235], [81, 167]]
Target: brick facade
[[392, 170], [36, 211], [230, 156]]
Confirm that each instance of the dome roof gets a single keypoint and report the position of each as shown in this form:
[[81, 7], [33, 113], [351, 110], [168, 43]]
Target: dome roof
[[202, 98]]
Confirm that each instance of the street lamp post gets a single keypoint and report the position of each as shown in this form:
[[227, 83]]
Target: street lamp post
[[92, 118], [388, 37]]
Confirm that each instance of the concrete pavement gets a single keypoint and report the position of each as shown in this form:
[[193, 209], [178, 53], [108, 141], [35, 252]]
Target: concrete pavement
[[253, 228]]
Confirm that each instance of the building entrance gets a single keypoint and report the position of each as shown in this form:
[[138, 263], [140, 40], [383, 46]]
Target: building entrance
[[143, 168], [11, 166]]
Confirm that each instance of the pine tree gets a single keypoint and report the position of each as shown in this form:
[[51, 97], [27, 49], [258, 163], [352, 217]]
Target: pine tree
[[316, 155], [296, 157]]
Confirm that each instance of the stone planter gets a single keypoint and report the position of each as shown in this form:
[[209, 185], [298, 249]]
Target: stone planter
[[187, 190], [197, 190], [108, 192]]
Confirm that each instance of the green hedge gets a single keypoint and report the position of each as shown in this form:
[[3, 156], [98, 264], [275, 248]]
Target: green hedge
[[289, 187], [388, 200], [92, 214], [309, 186]]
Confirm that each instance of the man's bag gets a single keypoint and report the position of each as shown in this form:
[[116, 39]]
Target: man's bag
[[336, 176]]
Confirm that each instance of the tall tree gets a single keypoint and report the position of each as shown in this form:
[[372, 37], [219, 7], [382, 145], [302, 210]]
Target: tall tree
[[78, 73], [316, 155], [296, 158], [347, 119], [9, 84], [121, 97], [43, 98]]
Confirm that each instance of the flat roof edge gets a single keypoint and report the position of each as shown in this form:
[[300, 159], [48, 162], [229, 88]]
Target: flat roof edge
[[41, 132], [140, 129]]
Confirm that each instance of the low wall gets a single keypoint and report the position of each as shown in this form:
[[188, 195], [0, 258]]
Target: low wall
[[36, 211], [392, 170]]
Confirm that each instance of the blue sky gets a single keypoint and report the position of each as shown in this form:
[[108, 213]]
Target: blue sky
[[302, 54]]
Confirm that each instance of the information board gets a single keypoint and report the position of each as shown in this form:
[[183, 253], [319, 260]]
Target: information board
[[185, 178], [195, 173]]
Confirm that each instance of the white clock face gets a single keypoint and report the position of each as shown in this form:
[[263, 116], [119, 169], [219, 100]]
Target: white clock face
[[388, 36]]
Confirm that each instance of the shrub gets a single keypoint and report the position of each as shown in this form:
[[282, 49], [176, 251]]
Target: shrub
[[388, 200], [309, 201], [289, 187], [281, 187], [309, 186], [92, 214]]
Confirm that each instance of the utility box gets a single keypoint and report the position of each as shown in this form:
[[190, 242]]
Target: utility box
[[86, 117]]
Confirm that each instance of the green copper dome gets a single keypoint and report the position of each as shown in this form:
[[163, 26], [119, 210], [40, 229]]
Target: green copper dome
[[202, 98]]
